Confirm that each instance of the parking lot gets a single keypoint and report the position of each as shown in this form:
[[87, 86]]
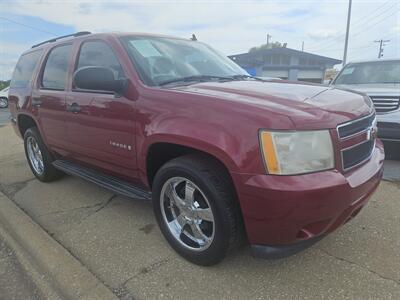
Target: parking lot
[[118, 240]]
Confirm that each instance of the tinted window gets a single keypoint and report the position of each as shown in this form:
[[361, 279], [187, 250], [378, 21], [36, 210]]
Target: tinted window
[[99, 54], [370, 72], [55, 71], [24, 69]]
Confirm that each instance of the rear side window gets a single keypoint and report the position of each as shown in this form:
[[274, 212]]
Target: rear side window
[[24, 69], [56, 68], [99, 54]]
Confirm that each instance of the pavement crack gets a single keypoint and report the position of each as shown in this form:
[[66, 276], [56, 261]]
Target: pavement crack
[[71, 209], [397, 282], [100, 206], [104, 204], [145, 270], [11, 189]]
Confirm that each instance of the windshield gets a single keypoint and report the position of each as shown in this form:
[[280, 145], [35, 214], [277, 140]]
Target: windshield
[[369, 73], [160, 60]]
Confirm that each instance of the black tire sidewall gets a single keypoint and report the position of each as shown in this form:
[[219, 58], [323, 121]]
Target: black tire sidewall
[[220, 244], [49, 171]]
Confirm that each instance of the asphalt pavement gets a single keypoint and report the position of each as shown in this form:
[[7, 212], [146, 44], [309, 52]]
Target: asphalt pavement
[[4, 116], [14, 282]]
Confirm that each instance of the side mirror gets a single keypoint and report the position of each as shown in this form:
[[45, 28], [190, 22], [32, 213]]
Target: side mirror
[[100, 79]]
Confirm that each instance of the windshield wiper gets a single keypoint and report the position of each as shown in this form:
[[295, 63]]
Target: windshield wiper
[[244, 76], [195, 78]]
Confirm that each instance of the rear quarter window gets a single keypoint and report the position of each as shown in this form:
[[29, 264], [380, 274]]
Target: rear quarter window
[[24, 69]]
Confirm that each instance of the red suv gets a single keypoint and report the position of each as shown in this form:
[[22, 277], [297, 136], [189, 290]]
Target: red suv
[[221, 154]]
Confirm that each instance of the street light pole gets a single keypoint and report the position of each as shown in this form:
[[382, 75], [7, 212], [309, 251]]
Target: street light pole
[[346, 42]]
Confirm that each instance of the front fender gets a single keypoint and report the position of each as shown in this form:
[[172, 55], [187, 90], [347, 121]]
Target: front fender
[[209, 139]]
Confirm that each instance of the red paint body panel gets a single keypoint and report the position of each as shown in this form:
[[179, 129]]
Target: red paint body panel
[[287, 209], [222, 119]]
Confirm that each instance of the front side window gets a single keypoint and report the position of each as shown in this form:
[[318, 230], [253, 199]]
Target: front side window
[[370, 73], [56, 68], [159, 60], [99, 54], [24, 69]]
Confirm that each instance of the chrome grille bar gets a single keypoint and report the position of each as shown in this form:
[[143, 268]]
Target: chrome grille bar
[[385, 103]]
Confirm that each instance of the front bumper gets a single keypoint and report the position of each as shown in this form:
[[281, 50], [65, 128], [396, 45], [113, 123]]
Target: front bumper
[[282, 210], [281, 251], [389, 126]]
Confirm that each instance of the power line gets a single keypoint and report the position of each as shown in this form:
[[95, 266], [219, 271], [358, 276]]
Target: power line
[[357, 23], [363, 30], [379, 21], [350, 48], [368, 20], [370, 13], [28, 26], [364, 20]]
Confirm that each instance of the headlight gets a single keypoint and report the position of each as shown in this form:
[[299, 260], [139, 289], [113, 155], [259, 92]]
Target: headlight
[[297, 152]]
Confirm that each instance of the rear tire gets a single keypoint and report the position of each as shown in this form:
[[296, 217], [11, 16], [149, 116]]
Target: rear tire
[[39, 158], [202, 220]]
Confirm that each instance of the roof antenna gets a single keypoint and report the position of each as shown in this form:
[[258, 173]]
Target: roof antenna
[[193, 38]]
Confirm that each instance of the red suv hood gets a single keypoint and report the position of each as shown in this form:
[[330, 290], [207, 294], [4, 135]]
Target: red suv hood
[[307, 105]]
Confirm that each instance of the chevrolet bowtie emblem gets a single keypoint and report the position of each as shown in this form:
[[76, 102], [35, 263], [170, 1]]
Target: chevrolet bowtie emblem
[[372, 133]]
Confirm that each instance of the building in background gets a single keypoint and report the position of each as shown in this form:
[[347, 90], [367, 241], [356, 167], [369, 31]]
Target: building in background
[[285, 63]]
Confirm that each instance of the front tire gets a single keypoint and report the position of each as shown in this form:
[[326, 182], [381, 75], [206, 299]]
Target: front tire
[[39, 158], [195, 206]]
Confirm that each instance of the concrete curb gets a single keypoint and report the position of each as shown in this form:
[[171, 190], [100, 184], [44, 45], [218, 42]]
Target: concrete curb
[[57, 274]]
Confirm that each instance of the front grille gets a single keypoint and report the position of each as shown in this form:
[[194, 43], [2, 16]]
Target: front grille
[[356, 155], [349, 129], [386, 103]]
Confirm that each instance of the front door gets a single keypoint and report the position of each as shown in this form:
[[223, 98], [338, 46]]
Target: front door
[[100, 126]]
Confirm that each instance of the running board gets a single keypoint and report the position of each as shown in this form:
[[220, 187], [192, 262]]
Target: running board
[[116, 185]]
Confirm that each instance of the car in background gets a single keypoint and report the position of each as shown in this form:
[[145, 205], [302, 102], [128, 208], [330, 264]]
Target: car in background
[[380, 80], [4, 98]]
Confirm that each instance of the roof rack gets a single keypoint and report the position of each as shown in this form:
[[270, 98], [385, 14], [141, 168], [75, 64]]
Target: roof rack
[[62, 37]]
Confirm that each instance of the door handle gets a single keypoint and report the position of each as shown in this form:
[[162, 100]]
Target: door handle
[[36, 101], [74, 108]]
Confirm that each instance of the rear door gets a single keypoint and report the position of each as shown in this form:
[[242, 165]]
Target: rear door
[[100, 126], [48, 99]]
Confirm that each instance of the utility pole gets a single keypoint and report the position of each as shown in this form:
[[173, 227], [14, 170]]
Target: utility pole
[[346, 42], [268, 38], [381, 45], [302, 46]]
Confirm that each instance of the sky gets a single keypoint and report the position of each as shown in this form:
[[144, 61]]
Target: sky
[[230, 26]]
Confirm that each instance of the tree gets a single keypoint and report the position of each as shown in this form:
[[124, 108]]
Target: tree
[[4, 84], [266, 46]]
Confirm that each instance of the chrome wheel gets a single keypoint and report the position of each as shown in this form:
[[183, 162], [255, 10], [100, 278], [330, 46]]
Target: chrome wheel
[[187, 213], [3, 102], [35, 155]]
